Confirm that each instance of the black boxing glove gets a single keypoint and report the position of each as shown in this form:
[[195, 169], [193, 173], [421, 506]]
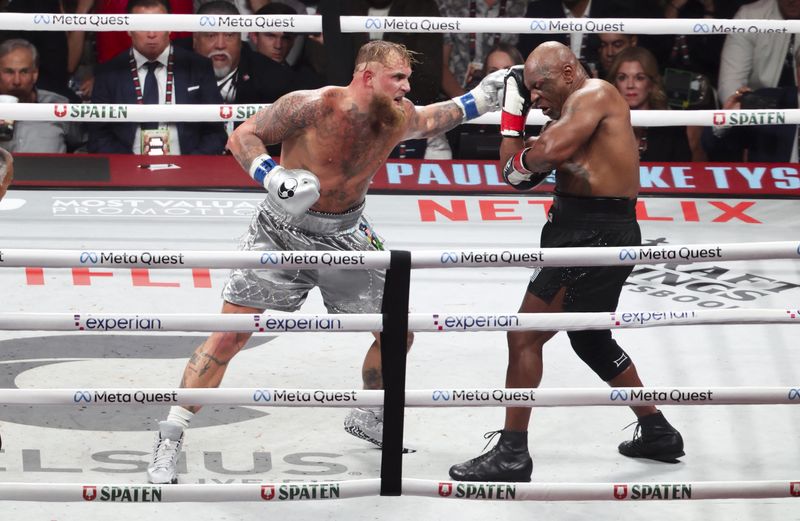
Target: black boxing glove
[[517, 174]]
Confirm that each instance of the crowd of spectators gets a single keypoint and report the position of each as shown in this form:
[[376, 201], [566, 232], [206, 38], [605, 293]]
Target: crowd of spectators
[[678, 72]]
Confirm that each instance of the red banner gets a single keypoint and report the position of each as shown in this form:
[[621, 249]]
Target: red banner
[[398, 175]]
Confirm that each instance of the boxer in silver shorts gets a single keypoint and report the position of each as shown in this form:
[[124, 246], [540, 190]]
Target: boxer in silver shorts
[[343, 291]]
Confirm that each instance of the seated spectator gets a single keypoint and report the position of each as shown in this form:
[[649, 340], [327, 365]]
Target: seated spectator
[[612, 44], [277, 46], [19, 70], [155, 72], [635, 74], [483, 141], [63, 49], [110, 43], [243, 75]]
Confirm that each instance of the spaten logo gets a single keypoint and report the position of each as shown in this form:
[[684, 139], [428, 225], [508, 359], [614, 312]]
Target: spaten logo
[[225, 111], [445, 488], [60, 110]]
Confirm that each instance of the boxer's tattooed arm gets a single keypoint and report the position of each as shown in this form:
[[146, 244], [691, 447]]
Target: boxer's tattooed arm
[[287, 117], [435, 119]]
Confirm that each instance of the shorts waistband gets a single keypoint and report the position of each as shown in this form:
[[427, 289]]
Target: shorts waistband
[[318, 223], [592, 209]]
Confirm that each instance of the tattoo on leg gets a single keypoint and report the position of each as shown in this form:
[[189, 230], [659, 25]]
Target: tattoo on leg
[[209, 360], [372, 379]]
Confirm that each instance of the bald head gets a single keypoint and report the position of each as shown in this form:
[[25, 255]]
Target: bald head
[[551, 56]]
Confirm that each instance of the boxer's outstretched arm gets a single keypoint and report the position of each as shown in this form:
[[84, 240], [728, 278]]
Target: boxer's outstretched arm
[[286, 117]]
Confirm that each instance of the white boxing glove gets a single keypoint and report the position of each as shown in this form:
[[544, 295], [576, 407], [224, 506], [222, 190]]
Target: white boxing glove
[[485, 97], [295, 190]]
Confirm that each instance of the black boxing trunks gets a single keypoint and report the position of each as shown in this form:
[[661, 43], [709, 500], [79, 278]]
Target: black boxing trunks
[[587, 222]]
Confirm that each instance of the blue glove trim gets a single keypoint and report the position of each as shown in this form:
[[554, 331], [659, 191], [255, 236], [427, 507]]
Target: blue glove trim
[[470, 108], [264, 168]]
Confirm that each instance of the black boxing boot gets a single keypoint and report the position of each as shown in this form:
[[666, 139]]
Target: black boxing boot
[[509, 460], [654, 438]]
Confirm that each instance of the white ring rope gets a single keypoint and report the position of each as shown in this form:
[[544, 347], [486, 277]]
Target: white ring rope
[[512, 257], [450, 397], [367, 322], [115, 113], [335, 490], [389, 24]]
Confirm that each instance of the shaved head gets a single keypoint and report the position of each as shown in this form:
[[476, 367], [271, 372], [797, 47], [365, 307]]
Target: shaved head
[[551, 57]]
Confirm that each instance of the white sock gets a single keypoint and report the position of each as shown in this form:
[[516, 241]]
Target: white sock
[[180, 416]]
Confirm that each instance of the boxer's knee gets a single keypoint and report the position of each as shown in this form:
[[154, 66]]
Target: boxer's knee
[[600, 352]]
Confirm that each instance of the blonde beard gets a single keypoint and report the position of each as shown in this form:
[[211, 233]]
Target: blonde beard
[[384, 114]]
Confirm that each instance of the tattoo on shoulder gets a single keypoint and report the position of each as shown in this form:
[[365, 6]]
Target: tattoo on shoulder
[[291, 113]]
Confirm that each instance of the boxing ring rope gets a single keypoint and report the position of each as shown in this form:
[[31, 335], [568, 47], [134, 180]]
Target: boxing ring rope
[[115, 113], [406, 24], [493, 257], [451, 397], [415, 322], [368, 322], [334, 490]]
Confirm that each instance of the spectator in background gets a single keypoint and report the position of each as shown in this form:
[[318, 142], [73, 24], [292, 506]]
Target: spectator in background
[[756, 61], [585, 46], [110, 43], [426, 75], [243, 75], [464, 53], [155, 72], [278, 45], [483, 141], [19, 70], [62, 49], [612, 44], [635, 74], [757, 143]]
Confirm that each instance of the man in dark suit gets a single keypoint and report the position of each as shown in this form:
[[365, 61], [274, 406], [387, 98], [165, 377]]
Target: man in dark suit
[[243, 75], [155, 72]]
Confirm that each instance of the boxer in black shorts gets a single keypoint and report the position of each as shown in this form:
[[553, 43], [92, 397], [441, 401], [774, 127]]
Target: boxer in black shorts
[[590, 145]]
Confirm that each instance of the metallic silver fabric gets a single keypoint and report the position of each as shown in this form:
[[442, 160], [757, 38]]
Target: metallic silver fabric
[[343, 291]]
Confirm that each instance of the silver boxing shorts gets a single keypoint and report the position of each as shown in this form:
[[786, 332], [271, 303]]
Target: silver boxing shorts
[[343, 291]]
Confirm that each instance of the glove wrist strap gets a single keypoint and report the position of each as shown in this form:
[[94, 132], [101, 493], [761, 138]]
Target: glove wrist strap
[[261, 167]]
